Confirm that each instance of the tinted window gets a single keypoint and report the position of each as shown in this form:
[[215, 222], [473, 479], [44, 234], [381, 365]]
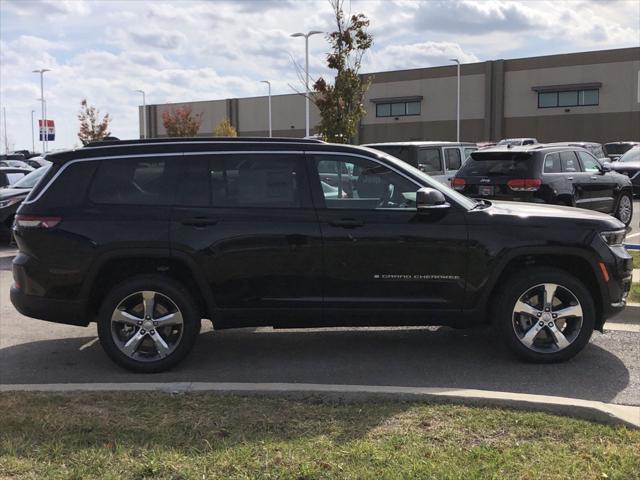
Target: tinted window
[[370, 186], [413, 108], [399, 151], [430, 160], [70, 187], [383, 110], [468, 151], [486, 164], [194, 185], [547, 99], [567, 99], [589, 164], [258, 180], [552, 163], [143, 181], [452, 157], [569, 162], [398, 109], [589, 97]]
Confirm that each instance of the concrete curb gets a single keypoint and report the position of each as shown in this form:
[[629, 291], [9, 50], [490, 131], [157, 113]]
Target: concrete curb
[[586, 409]]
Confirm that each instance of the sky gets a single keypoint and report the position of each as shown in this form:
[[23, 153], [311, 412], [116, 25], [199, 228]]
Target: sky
[[200, 50]]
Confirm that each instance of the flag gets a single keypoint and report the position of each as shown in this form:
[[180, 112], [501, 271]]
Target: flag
[[48, 132]]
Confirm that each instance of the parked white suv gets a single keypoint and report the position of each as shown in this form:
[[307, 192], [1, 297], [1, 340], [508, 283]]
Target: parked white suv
[[441, 160]]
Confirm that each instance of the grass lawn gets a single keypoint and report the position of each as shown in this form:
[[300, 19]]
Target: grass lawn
[[636, 257], [195, 436]]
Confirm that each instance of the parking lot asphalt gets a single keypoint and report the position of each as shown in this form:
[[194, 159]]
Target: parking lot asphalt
[[608, 370]]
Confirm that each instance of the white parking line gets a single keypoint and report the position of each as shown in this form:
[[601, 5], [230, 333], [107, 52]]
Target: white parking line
[[88, 344]]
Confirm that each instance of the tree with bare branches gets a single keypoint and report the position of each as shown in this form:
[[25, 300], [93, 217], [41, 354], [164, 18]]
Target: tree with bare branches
[[341, 104], [181, 123], [92, 129]]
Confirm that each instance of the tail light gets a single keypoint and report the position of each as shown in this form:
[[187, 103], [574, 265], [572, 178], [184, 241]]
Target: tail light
[[524, 184], [458, 183], [36, 221]]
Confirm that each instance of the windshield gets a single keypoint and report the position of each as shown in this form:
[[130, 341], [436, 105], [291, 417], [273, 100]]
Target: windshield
[[425, 179], [30, 180], [617, 148], [631, 156]]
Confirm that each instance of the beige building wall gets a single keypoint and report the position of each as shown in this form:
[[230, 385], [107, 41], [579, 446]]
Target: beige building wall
[[287, 113], [438, 99], [619, 91]]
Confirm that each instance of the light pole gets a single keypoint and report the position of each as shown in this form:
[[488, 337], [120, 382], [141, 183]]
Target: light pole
[[457, 102], [33, 138], [306, 73], [269, 84], [41, 72], [144, 113]]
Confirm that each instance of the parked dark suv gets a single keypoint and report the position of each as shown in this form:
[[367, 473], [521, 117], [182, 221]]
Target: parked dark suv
[[148, 237], [547, 174]]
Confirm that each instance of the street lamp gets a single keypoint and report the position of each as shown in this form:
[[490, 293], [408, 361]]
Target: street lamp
[[457, 102], [33, 138], [144, 113], [306, 73], [269, 84], [42, 72]]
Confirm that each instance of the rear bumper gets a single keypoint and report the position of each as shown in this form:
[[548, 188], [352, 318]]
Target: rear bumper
[[52, 310]]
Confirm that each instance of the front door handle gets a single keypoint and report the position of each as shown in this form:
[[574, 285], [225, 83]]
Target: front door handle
[[346, 223], [570, 178], [199, 221], [593, 178]]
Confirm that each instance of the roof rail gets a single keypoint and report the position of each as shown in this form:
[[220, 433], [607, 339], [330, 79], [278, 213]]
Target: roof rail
[[114, 142]]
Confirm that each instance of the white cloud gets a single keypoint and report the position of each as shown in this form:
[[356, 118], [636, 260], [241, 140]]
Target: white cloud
[[181, 51]]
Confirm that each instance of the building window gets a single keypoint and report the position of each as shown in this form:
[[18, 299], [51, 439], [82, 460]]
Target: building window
[[570, 98], [397, 109]]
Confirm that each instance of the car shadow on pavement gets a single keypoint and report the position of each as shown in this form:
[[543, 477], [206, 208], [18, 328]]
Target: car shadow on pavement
[[391, 357]]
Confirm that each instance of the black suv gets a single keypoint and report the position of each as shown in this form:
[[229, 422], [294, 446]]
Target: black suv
[[547, 174], [149, 237]]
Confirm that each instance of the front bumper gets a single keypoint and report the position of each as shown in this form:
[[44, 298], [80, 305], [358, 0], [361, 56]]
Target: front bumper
[[619, 266]]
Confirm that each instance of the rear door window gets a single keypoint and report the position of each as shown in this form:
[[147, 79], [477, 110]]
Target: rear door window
[[430, 160], [569, 162], [453, 159], [552, 163], [260, 180], [132, 181]]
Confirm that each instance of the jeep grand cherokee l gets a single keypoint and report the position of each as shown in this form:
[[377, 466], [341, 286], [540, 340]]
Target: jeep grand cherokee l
[[149, 237], [547, 174]]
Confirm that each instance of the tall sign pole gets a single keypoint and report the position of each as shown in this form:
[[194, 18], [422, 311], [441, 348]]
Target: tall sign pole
[[43, 131], [33, 138]]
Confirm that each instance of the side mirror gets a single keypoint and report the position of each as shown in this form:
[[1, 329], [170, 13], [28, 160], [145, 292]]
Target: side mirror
[[430, 199], [606, 167]]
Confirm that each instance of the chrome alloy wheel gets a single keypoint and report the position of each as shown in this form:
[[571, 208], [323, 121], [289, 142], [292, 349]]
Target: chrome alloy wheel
[[625, 209], [147, 326], [547, 318]]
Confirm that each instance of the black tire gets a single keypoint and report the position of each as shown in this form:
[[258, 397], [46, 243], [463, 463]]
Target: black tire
[[619, 214], [167, 288], [515, 286]]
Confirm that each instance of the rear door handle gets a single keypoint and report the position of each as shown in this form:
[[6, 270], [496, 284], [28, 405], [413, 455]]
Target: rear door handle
[[593, 178], [570, 178], [346, 223], [199, 221]]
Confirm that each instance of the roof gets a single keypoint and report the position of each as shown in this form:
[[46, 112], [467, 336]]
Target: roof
[[525, 148], [571, 144], [200, 139], [418, 143]]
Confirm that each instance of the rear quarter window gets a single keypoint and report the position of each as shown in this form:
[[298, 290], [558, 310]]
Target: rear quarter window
[[65, 186]]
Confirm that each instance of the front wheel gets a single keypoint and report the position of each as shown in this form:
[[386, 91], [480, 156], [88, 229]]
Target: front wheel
[[545, 315], [148, 323], [624, 210]]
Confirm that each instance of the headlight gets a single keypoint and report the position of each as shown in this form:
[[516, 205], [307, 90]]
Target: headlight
[[10, 201], [613, 238]]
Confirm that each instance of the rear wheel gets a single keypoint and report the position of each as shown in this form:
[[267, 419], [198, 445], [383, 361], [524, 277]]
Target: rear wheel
[[624, 210], [148, 323], [545, 315]]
